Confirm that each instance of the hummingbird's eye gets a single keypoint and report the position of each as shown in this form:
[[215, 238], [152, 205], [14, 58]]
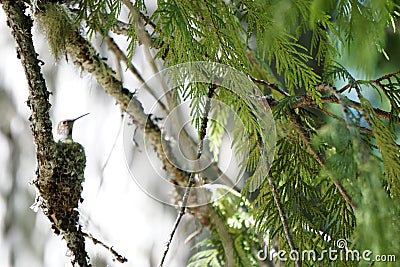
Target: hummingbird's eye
[[64, 122]]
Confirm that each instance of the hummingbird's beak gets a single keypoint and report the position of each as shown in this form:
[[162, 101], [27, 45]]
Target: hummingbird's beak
[[80, 117]]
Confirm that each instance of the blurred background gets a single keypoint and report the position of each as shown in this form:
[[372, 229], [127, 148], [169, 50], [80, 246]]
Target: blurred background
[[114, 210]]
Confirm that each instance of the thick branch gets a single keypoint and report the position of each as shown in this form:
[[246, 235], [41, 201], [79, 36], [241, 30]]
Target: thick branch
[[38, 100]]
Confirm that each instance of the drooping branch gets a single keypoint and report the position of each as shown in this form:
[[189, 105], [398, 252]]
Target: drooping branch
[[306, 140], [304, 101]]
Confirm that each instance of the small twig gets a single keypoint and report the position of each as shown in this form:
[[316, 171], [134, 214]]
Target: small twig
[[109, 154], [336, 117], [96, 241], [147, 20], [193, 235], [178, 218], [121, 56], [203, 131], [120, 27], [282, 215], [386, 77], [270, 85], [346, 87], [377, 81]]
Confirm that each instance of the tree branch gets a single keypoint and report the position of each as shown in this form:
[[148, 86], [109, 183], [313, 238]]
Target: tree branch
[[270, 85], [282, 216], [305, 101], [120, 55], [86, 57], [190, 182], [56, 202], [318, 158], [38, 100]]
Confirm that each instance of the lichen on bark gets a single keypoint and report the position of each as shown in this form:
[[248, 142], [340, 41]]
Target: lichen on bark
[[58, 25]]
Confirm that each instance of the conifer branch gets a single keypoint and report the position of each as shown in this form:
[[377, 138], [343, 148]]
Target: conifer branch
[[376, 81], [306, 101], [386, 77], [336, 117], [269, 85], [306, 140]]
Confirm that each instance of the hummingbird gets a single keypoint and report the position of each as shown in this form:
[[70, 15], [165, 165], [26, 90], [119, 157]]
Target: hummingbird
[[62, 193], [64, 129]]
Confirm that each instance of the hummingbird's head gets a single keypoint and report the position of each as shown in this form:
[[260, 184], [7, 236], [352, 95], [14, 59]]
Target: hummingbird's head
[[64, 129]]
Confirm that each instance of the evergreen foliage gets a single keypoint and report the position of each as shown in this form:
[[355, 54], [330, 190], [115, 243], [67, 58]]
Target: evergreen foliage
[[232, 238], [329, 138]]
